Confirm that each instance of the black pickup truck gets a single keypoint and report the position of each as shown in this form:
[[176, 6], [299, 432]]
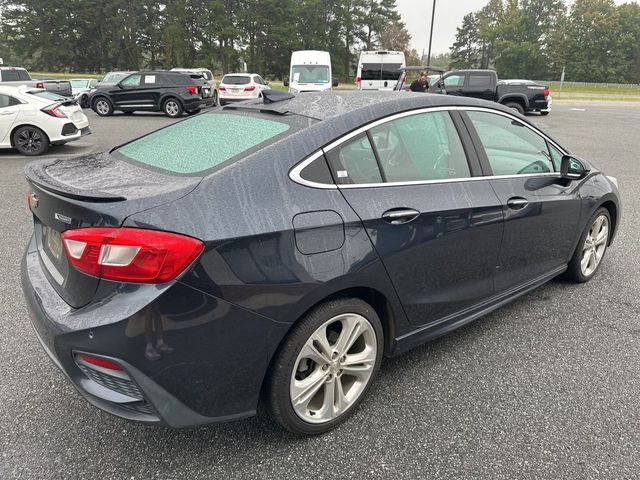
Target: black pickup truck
[[484, 84], [19, 76]]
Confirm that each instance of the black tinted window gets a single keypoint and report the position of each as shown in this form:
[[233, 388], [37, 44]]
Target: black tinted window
[[354, 162], [380, 71], [370, 71], [7, 101], [317, 172], [10, 75], [23, 75], [236, 80], [390, 71], [479, 80]]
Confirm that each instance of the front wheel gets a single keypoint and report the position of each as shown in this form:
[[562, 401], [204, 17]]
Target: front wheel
[[29, 140], [326, 366], [515, 106], [591, 247], [172, 108]]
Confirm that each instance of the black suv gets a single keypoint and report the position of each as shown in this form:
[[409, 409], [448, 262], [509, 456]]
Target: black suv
[[170, 92]]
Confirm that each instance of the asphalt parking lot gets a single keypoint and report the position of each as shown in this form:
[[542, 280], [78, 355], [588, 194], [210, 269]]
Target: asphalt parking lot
[[547, 387]]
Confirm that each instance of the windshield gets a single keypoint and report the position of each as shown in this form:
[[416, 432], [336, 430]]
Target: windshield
[[114, 77], [235, 80], [79, 83], [310, 74], [191, 146]]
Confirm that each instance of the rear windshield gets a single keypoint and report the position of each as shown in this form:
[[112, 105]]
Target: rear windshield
[[48, 95], [235, 80], [201, 142], [14, 75]]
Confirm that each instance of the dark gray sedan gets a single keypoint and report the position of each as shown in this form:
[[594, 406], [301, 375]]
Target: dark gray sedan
[[276, 250]]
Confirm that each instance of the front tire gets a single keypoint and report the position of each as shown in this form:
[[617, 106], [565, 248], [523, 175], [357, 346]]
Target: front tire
[[30, 140], [591, 248], [326, 366], [515, 106], [103, 107], [172, 108]]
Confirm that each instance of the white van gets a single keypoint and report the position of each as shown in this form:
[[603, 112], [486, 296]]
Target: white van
[[309, 71], [379, 70]]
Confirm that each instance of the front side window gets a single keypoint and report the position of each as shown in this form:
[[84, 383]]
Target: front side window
[[454, 81], [131, 81], [354, 162], [420, 147], [511, 147]]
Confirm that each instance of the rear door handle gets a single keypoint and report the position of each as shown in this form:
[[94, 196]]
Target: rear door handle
[[397, 216], [517, 203]]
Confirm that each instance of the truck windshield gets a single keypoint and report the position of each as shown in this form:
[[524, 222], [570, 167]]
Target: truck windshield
[[310, 74]]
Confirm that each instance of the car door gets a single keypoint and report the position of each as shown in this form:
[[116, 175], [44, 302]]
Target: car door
[[435, 225], [9, 109], [541, 211], [454, 83], [479, 85], [127, 93]]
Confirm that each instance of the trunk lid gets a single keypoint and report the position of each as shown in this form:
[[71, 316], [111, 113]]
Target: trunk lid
[[60, 87], [90, 191]]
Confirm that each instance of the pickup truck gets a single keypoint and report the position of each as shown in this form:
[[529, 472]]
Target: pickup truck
[[19, 76], [484, 84]]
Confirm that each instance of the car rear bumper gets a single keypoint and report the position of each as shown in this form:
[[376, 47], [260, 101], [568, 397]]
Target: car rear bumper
[[213, 372]]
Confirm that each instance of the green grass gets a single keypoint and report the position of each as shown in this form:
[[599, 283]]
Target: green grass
[[66, 76], [595, 89]]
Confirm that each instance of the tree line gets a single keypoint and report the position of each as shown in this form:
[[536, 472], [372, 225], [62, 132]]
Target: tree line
[[595, 40], [81, 36]]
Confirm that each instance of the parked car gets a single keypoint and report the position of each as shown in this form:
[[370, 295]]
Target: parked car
[[81, 88], [111, 78], [236, 87], [32, 119], [207, 75], [182, 277], [484, 84], [543, 111], [19, 76], [379, 70], [173, 93]]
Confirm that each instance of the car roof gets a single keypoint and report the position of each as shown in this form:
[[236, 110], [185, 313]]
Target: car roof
[[239, 74]]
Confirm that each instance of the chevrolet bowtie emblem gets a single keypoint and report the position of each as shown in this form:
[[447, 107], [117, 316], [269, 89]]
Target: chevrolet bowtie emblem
[[33, 201]]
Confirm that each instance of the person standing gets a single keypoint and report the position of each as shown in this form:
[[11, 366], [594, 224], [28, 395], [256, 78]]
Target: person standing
[[420, 84]]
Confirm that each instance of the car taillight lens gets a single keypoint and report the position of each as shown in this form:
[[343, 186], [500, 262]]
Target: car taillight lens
[[39, 85], [358, 80], [54, 110], [100, 362], [546, 92], [130, 254], [249, 89], [192, 89], [222, 89]]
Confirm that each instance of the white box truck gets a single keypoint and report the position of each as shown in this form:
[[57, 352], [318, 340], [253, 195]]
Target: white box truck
[[310, 71], [379, 70]]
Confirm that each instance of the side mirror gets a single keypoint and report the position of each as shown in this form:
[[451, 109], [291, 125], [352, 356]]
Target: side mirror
[[335, 82], [285, 82], [440, 85], [572, 168]]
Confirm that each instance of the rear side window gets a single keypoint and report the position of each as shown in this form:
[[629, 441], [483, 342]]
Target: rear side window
[[511, 147], [236, 80], [420, 147], [201, 142], [7, 101], [479, 80], [181, 78], [354, 162]]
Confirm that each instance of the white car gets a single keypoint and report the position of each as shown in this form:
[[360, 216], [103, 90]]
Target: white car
[[81, 88], [236, 87], [32, 119]]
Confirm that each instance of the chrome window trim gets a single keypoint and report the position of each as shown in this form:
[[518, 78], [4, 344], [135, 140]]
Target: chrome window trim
[[294, 173]]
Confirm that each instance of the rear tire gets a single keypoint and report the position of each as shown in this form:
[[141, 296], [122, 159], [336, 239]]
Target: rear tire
[[30, 140], [194, 112], [544, 114], [172, 108], [591, 248], [103, 106], [515, 106], [325, 366]]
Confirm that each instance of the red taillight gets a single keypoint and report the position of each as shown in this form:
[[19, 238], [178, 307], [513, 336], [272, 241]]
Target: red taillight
[[358, 80], [100, 362], [130, 254], [222, 89], [192, 89], [546, 92], [39, 85], [249, 89], [54, 110]]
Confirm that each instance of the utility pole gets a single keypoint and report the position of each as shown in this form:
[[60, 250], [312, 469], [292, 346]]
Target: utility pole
[[433, 16]]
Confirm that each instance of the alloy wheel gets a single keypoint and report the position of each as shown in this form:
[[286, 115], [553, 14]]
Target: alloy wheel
[[103, 107], [29, 140], [333, 368], [594, 245], [171, 108]]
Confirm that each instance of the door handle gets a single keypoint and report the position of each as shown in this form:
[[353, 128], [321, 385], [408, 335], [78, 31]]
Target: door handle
[[398, 216], [517, 203]]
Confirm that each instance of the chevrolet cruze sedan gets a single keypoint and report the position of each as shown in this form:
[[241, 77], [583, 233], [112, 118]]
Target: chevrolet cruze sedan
[[185, 277]]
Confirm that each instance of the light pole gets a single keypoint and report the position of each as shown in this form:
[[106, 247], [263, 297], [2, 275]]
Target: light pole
[[433, 16]]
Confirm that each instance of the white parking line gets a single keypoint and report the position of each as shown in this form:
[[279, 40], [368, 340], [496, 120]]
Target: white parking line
[[578, 109]]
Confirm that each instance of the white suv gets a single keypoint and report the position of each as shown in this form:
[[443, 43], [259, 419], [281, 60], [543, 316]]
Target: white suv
[[236, 87]]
